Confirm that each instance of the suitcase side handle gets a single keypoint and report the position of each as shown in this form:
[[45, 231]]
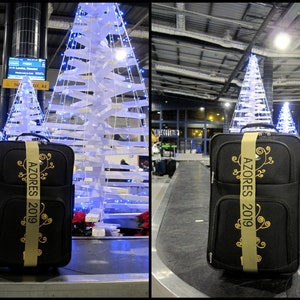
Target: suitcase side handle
[[41, 137], [259, 124]]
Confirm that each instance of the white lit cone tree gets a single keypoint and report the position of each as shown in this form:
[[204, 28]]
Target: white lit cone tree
[[25, 115], [285, 122], [99, 108], [252, 105]]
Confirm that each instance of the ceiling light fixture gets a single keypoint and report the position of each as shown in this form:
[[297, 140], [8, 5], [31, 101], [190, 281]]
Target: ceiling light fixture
[[282, 40], [121, 54]]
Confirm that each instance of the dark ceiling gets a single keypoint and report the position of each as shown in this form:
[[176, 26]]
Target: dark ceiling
[[61, 17], [200, 50]]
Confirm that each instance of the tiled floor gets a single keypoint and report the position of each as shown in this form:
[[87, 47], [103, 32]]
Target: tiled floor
[[179, 237]]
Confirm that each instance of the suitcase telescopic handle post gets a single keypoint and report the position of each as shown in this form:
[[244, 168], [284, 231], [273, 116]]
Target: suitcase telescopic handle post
[[41, 137]]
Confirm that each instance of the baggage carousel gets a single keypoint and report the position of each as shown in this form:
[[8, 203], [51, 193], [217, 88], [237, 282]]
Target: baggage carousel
[[179, 240], [106, 267]]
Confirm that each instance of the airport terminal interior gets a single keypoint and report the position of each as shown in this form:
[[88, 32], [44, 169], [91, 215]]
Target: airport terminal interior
[[188, 71], [202, 54], [68, 78]]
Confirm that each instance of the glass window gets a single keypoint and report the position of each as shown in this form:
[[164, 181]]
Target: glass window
[[181, 132], [196, 114], [215, 114], [155, 115], [212, 131], [169, 115], [195, 132], [182, 114]]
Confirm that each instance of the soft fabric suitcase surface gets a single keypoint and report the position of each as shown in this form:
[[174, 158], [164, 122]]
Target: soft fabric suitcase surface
[[160, 167], [51, 236], [171, 167], [276, 209]]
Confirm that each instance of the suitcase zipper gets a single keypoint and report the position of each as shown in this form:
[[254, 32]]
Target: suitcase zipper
[[210, 257]]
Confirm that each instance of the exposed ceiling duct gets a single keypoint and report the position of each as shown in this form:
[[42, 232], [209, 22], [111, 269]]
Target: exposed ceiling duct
[[195, 95], [66, 25], [222, 42], [59, 24], [184, 72], [207, 57]]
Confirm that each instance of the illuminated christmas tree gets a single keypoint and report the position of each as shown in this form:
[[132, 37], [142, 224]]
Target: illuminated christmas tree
[[285, 122], [252, 105], [99, 107], [25, 115]]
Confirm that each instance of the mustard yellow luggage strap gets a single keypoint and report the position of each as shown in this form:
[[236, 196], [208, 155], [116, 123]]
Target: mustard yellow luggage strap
[[32, 204], [247, 201]]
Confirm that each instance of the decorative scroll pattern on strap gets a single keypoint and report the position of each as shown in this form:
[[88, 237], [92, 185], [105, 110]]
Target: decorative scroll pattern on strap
[[247, 201], [32, 204]]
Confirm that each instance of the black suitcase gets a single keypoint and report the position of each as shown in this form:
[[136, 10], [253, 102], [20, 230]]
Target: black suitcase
[[254, 203], [36, 205], [170, 167], [160, 167]]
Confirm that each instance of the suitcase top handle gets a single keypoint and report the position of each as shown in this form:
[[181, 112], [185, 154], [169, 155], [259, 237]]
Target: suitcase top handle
[[34, 135]]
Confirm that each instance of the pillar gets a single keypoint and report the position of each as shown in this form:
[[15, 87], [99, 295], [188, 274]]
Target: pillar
[[43, 46], [5, 93], [25, 36]]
